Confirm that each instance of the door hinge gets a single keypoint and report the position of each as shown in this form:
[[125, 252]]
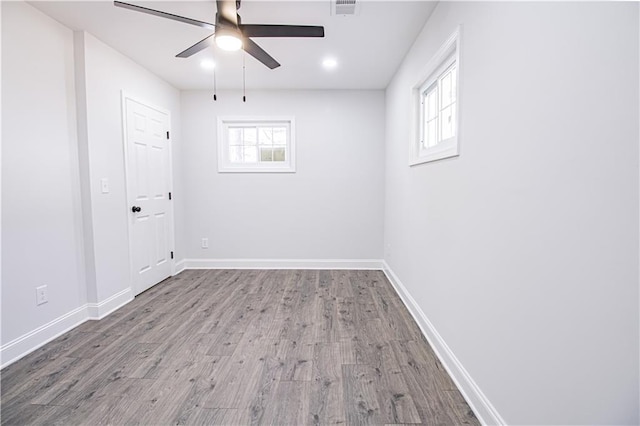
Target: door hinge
[[167, 134], [172, 255], [169, 195]]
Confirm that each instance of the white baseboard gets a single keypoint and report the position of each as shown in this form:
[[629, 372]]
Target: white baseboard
[[180, 266], [479, 403], [97, 311], [283, 264], [27, 343]]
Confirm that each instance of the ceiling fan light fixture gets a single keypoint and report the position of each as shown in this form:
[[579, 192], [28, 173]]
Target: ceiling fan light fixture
[[228, 40]]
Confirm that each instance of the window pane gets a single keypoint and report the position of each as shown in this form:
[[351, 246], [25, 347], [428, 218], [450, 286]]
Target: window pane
[[425, 116], [445, 82], [250, 136], [235, 136], [235, 154], [431, 103], [280, 135], [448, 121], [265, 135], [266, 154], [250, 154], [430, 116], [279, 154], [431, 133], [431, 110], [454, 84]]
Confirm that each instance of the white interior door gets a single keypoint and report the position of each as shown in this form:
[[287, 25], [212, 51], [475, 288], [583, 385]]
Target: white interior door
[[148, 186]]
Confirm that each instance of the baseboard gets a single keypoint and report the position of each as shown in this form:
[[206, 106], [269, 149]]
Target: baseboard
[[375, 264], [97, 311], [180, 266], [27, 343], [476, 399]]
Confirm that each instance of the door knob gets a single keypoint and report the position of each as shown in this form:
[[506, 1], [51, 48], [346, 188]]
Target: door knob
[[136, 209]]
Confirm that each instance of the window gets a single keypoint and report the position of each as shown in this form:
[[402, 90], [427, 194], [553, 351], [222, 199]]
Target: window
[[256, 144], [436, 104], [439, 109]]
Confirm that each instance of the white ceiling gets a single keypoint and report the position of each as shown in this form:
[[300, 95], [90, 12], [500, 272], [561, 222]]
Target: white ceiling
[[369, 46]]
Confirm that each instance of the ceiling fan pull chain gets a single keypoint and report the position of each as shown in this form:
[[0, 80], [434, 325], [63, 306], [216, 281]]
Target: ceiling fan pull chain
[[244, 78], [215, 97]]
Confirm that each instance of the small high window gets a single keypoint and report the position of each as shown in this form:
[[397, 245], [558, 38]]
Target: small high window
[[439, 109], [256, 144], [437, 105]]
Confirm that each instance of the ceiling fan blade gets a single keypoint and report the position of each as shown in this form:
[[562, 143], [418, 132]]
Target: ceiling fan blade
[[202, 44], [257, 52], [165, 15], [227, 12], [252, 30]]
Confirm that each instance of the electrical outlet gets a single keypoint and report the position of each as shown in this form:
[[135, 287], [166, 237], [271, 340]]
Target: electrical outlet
[[41, 295], [205, 243]]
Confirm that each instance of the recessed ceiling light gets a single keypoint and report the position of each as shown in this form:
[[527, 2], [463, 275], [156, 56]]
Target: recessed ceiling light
[[207, 64], [329, 63]]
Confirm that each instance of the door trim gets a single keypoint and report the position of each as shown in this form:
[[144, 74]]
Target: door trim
[[125, 143]]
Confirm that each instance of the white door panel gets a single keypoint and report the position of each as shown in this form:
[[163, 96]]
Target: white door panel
[[141, 235], [161, 239], [148, 182]]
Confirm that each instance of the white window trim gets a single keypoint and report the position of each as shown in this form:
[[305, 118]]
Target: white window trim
[[448, 54], [225, 166]]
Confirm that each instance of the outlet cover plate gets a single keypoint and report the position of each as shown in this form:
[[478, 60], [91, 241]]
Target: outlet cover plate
[[41, 295]]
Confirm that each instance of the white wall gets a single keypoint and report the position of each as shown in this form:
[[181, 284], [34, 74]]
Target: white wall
[[523, 252], [331, 208], [106, 74], [41, 227]]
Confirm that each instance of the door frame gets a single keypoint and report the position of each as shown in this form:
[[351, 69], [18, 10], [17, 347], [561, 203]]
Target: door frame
[[124, 95]]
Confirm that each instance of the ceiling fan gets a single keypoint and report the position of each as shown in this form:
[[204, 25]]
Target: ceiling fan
[[231, 33]]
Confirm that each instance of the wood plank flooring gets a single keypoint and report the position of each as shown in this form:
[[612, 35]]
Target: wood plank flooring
[[239, 347]]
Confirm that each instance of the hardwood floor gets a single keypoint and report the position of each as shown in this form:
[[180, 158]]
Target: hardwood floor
[[242, 347]]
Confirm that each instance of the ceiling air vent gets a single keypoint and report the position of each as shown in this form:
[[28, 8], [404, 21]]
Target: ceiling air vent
[[344, 7]]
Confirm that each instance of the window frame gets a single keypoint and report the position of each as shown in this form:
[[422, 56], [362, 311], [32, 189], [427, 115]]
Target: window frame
[[226, 166], [446, 57]]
